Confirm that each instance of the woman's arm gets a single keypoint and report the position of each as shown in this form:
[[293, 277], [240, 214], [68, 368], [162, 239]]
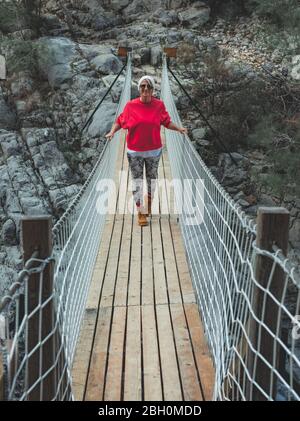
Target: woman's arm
[[113, 130], [173, 126]]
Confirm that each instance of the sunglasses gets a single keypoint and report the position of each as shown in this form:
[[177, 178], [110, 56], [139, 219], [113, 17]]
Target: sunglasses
[[145, 86]]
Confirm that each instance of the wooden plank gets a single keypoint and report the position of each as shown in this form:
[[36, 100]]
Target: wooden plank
[[170, 262], [96, 376], [189, 375], [123, 272], [162, 192], [202, 355], [112, 266], [147, 268], [161, 296], [115, 356], [133, 369], [83, 354], [99, 269], [187, 289], [134, 288], [152, 376], [170, 372], [168, 180]]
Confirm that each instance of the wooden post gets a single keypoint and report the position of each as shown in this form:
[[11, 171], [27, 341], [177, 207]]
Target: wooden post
[[272, 228], [36, 235], [123, 51], [170, 51]]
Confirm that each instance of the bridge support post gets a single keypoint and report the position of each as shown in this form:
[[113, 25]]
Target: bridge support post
[[36, 235], [272, 228]]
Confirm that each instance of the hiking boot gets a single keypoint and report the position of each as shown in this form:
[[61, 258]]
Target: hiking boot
[[142, 220]]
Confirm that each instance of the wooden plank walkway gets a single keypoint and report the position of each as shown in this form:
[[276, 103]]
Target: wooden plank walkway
[[142, 337]]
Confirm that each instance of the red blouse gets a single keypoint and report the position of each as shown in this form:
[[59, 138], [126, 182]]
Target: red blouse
[[143, 121]]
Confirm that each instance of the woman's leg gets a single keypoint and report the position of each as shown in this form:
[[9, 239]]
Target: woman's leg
[[136, 165], [151, 165]]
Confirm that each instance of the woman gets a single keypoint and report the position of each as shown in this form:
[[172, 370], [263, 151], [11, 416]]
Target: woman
[[142, 117]]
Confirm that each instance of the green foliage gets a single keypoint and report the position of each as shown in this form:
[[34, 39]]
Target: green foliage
[[280, 141], [12, 17], [19, 14], [283, 13], [260, 112], [24, 55]]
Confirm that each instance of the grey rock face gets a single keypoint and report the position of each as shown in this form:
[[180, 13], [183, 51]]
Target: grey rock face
[[156, 56], [8, 119], [118, 5], [103, 119], [107, 63], [10, 143], [165, 17], [9, 234], [194, 18], [55, 57]]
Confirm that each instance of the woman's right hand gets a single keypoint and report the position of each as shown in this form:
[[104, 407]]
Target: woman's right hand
[[109, 135]]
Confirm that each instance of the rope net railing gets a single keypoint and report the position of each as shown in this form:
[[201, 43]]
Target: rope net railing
[[248, 306], [75, 240]]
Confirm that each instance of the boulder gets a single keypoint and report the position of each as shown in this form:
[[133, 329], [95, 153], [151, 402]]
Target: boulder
[[156, 56], [54, 59], [194, 17], [10, 144], [103, 119], [107, 63], [9, 234], [8, 118]]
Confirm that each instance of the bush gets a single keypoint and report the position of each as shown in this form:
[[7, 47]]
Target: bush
[[285, 14], [12, 17], [24, 56]]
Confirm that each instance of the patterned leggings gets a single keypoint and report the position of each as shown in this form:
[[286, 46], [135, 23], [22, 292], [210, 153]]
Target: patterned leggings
[[136, 164]]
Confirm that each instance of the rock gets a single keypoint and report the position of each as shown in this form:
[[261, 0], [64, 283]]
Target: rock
[[117, 88], [199, 133], [294, 236], [194, 17], [51, 21], [107, 63], [251, 199], [134, 8], [265, 200], [22, 86], [119, 5], [156, 56], [103, 119], [165, 17], [145, 55], [8, 118], [207, 42], [55, 56], [9, 235], [10, 144], [7, 276]]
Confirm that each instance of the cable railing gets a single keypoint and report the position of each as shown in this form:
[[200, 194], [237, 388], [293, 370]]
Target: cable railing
[[248, 296], [41, 315]]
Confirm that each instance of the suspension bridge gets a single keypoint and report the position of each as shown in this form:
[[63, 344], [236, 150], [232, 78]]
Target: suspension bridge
[[202, 304]]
